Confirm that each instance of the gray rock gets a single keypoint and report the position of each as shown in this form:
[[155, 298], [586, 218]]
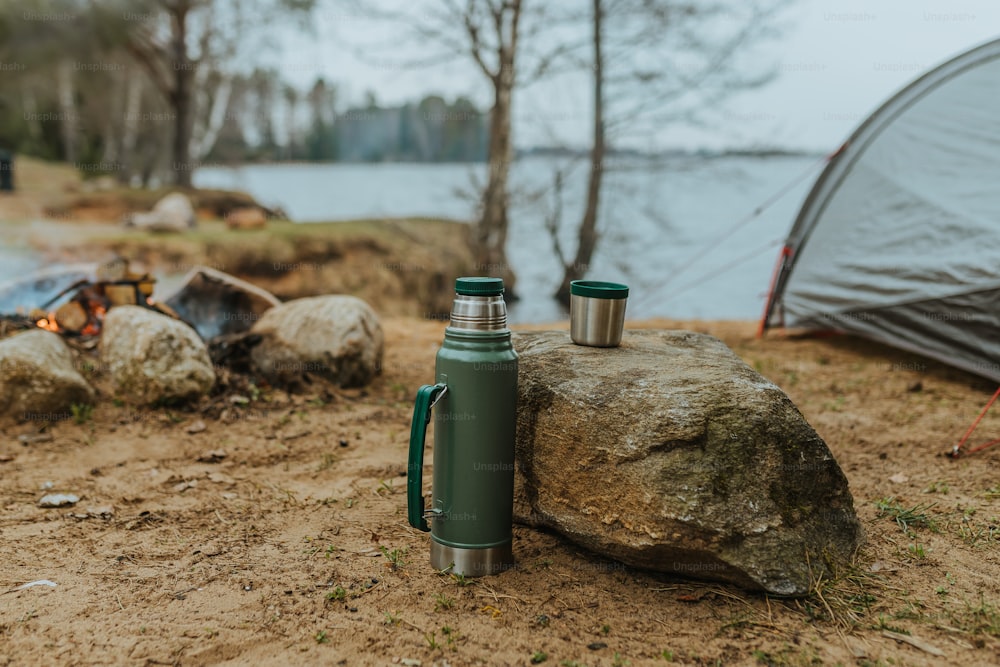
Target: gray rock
[[173, 213], [38, 288], [38, 379], [336, 337], [216, 303], [669, 453], [58, 500], [153, 358]]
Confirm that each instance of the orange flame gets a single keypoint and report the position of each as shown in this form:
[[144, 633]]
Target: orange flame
[[48, 323], [97, 311]]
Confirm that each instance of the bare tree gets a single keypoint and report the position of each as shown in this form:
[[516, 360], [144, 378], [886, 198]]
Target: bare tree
[[181, 49], [491, 34], [503, 18], [662, 61]]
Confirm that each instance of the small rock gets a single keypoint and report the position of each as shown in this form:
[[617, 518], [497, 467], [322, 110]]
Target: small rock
[[212, 456], [221, 478], [38, 379], [211, 549], [230, 496], [336, 337], [411, 662], [859, 651], [184, 486], [915, 387], [173, 213], [34, 438], [596, 646], [246, 217], [899, 478], [196, 427], [153, 358], [40, 582], [6, 458], [343, 443], [47, 485], [236, 399], [58, 500]]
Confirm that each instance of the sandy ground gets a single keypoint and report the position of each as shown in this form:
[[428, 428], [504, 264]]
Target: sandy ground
[[290, 546]]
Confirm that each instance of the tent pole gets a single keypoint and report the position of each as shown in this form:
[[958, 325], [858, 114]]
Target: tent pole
[[779, 268]]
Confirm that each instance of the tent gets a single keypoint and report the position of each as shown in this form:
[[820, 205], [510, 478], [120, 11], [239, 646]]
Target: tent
[[899, 239]]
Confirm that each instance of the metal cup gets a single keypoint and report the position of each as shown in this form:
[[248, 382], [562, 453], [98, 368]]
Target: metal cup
[[597, 312]]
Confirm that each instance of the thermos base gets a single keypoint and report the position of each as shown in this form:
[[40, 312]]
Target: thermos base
[[471, 562]]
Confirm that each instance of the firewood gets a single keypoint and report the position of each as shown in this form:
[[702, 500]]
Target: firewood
[[72, 316], [113, 270], [165, 309], [120, 295]]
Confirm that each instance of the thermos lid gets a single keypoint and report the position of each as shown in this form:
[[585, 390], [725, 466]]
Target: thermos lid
[[475, 286], [596, 289]]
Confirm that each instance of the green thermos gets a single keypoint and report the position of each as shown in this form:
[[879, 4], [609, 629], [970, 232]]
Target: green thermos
[[474, 405]]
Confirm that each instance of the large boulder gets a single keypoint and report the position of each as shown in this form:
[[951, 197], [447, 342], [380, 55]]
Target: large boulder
[[152, 358], [38, 380], [336, 337], [173, 213], [669, 453]]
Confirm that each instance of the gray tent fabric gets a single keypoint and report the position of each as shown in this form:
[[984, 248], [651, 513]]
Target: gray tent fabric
[[899, 239]]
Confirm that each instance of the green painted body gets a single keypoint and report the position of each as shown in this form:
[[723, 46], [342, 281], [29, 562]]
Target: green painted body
[[472, 497]]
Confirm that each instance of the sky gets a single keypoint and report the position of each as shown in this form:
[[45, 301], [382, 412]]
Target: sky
[[836, 61]]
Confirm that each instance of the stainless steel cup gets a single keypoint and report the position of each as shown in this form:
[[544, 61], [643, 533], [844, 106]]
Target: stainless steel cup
[[597, 312]]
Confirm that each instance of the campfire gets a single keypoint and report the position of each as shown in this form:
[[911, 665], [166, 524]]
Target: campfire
[[89, 300]]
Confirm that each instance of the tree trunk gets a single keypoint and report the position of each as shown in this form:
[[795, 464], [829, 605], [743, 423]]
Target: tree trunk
[[111, 132], [489, 242], [204, 140], [130, 128], [491, 231], [67, 110], [587, 235], [30, 103], [181, 100]]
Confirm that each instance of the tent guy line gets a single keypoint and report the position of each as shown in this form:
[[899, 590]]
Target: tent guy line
[[739, 224]]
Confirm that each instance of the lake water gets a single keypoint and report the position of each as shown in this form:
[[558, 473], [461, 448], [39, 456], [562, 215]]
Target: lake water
[[656, 217]]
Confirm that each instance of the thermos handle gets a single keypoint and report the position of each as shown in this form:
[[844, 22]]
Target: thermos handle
[[427, 396]]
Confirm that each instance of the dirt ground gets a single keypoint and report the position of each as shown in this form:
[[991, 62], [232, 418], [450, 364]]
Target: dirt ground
[[290, 545], [259, 527]]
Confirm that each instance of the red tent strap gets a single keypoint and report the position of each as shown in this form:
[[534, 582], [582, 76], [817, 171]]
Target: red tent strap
[[956, 451]]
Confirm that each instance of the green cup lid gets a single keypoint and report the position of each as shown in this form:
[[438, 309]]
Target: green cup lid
[[475, 286], [596, 289]]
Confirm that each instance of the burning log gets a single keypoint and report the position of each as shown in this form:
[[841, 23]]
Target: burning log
[[116, 285], [121, 295], [72, 317]]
